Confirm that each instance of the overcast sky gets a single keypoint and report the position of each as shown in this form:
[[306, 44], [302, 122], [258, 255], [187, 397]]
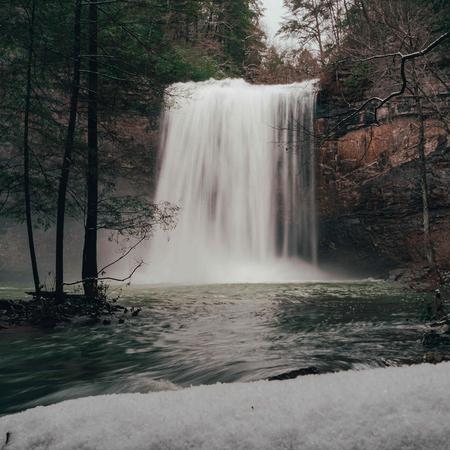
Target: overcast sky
[[273, 13]]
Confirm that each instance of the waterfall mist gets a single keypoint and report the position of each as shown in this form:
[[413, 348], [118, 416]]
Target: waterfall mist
[[239, 161]]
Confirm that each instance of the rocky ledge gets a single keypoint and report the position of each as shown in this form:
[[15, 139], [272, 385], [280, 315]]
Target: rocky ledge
[[370, 198]]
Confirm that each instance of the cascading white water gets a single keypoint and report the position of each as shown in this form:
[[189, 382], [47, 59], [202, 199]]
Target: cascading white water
[[239, 161]]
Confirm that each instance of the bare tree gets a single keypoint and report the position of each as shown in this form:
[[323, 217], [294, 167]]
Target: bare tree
[[67, 159], [89, 270], [401, 33], [378, 102], [309, 24], [26, 151]]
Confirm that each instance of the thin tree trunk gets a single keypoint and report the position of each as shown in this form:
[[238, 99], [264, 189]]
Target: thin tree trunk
[[90, 241], [26, 154], [428, 245], [67, 159], [319, 37], [335, 24]]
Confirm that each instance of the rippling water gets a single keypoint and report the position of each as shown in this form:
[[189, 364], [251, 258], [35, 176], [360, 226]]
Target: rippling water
[[214, 333]]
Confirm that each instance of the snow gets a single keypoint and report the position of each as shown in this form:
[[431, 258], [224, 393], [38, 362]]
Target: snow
[[378, 409]]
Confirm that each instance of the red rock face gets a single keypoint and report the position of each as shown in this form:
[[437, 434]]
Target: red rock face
[[370, 196]]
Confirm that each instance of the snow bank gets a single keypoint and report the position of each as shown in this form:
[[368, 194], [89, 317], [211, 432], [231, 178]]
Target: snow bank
[[393, 408]]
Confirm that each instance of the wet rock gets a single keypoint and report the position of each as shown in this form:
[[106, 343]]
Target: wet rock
[[443, 329], [433, 357], [431, 338], [295, 373], [442, 326], [371, 214], [135, 312], [396, 274]]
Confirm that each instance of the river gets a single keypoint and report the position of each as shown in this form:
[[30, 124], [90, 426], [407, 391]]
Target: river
[[190, 335]]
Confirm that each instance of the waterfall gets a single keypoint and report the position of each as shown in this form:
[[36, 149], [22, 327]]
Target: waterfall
[[238, 159]]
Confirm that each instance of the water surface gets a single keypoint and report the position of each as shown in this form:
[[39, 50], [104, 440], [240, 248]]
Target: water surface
[[190, 335]]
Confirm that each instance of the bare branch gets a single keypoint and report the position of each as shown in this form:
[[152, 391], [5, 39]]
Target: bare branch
[[124, 255], [120, 280], [403, 60]]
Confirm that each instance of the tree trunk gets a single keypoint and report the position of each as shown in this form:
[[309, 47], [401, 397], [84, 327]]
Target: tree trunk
[[67, 159], [428, 245], [26, 153], [90, 237], [319, 38]]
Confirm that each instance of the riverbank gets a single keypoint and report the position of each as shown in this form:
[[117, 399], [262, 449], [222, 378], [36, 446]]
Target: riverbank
[[48, 312], [380, 409]]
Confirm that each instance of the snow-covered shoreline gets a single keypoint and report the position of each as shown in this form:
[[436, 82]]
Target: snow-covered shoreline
[[392, 408]]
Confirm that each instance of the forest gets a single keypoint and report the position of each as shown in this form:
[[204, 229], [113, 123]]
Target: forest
[[191, 197]]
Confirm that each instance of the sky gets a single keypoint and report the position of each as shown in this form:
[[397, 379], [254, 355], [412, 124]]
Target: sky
[[274, 11]]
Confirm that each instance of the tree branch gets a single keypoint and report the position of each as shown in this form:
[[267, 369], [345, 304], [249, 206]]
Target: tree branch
[[120, 280], [403, 60], [124, 255]]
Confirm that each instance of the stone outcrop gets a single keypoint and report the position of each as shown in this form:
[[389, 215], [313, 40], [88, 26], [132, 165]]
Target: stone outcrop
[[370, 196]]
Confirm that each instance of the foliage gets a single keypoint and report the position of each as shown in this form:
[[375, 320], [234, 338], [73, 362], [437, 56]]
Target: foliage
[[286, 66], [317, 24], [142, 47], [357, 81], [188, 63], [344, 33]]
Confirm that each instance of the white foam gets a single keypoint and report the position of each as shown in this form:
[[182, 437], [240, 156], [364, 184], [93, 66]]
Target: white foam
[[239, 161]]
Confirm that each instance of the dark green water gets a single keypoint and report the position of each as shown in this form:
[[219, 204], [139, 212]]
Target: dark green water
[[215, 333]]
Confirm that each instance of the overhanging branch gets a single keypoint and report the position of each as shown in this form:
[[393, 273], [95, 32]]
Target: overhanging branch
[[403, 60]]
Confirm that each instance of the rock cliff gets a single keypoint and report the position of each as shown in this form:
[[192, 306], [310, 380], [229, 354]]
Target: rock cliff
[[370, 196]]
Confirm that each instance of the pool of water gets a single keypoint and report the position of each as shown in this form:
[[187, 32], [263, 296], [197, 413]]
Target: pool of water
[[189, 335]]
